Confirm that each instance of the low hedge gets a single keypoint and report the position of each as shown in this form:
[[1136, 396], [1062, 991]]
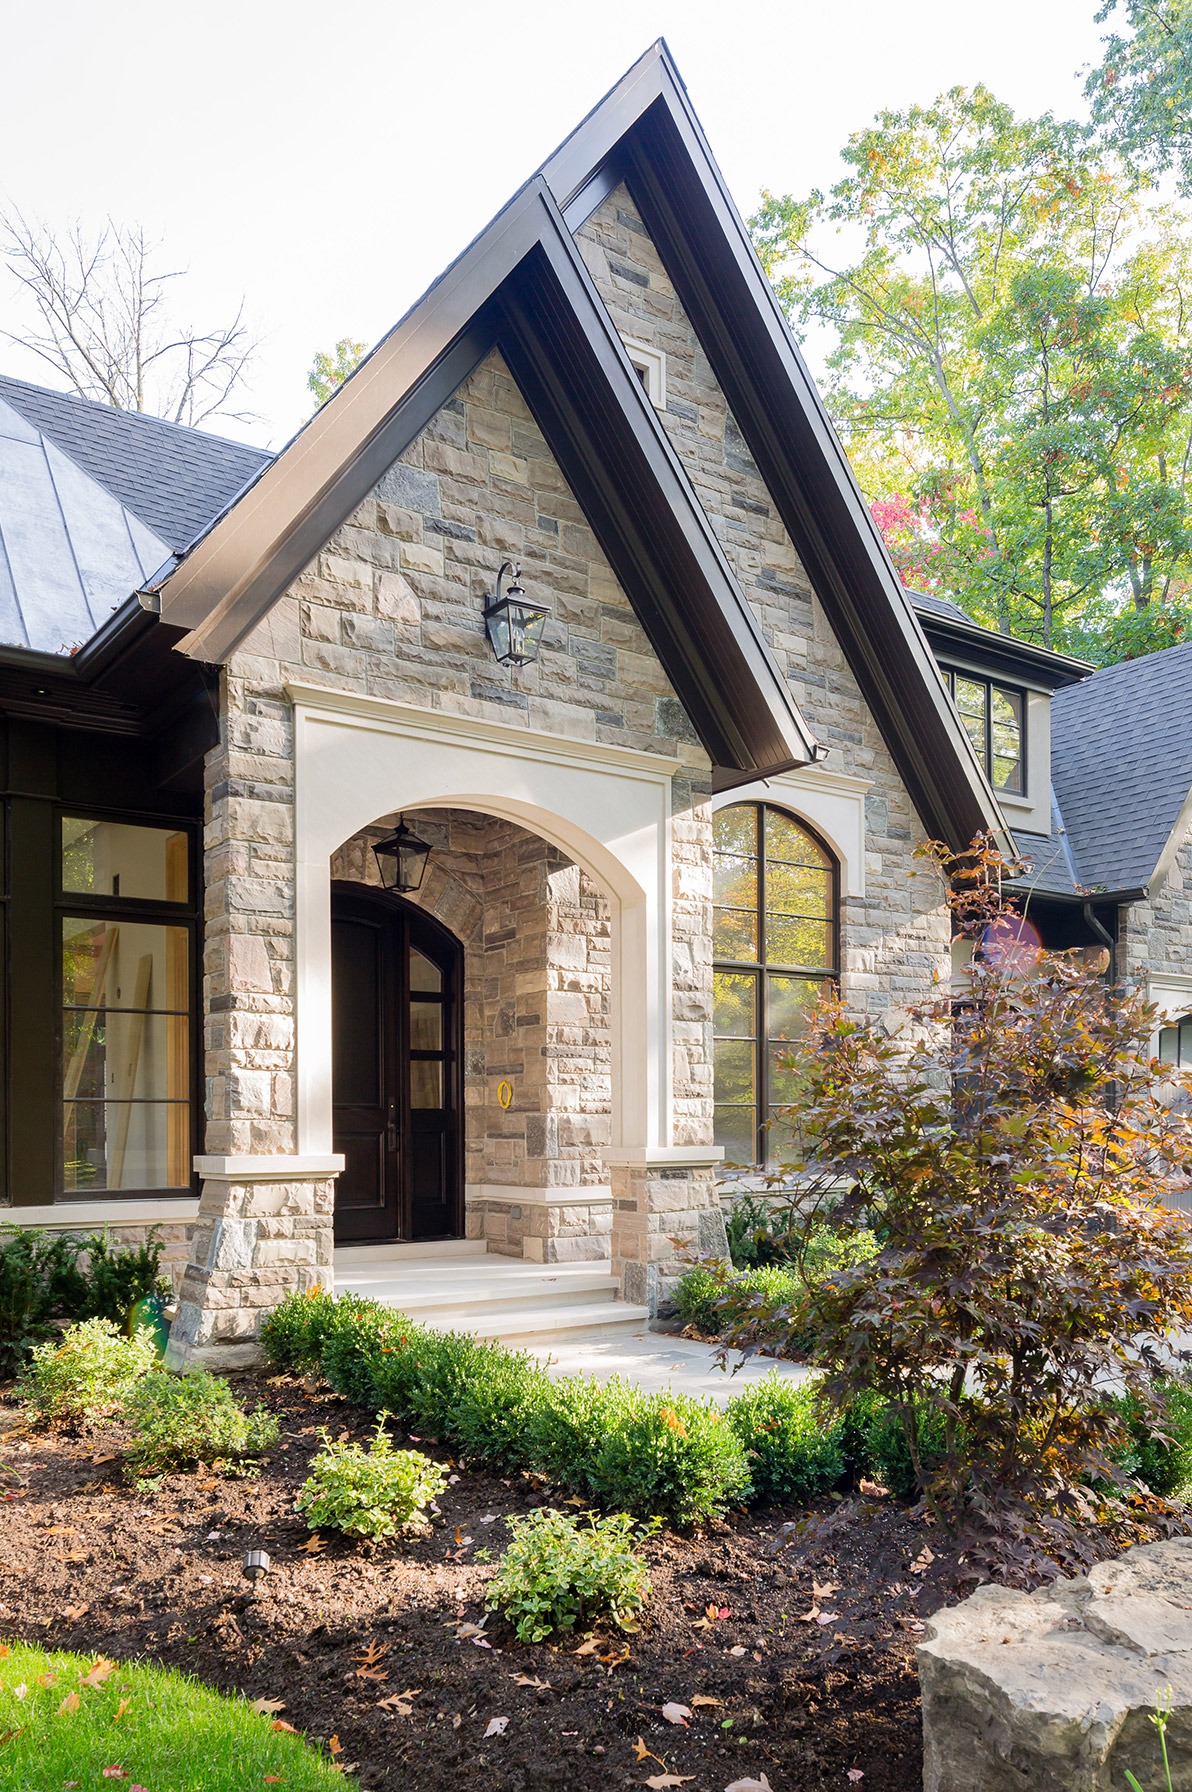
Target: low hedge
[[651, 1455]]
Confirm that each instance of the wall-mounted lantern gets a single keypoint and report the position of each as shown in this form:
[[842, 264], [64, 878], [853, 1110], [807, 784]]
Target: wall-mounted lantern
[[401, 859], [514, 624]]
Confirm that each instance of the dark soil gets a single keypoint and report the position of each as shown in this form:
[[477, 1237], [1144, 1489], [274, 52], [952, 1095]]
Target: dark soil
[[364, 1644]]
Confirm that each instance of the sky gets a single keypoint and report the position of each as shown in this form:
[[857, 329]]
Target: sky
[[325, 161]]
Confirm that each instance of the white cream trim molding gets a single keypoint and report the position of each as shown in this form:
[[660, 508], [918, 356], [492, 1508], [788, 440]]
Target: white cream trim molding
[[592, 1194], [834, 804], [1172, 992], [69, 1215], [359, 758]]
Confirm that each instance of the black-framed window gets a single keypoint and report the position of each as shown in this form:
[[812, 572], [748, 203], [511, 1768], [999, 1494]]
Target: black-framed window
[[127, 927], [775, 951], [1175, 1044], [994, 720]]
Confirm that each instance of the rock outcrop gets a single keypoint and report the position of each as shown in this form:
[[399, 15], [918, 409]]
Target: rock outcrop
[[1055, 1691]]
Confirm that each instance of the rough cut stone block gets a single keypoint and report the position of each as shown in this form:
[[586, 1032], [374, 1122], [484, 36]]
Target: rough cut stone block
[[1053, 1691]]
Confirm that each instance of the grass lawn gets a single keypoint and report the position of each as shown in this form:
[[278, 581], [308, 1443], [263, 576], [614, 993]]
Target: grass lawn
[[72, 1721]]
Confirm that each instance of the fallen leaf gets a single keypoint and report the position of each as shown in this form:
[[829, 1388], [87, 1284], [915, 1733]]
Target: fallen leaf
[[96, 1460], [643, 1753], [826, 1591], [874, 1489], [464, 1631], [5, 1651], [809, 1617], [922, 1561], [279, 1723], [658, 1780], [703, 1698], [18, 1692], [70, 1703], [272, 1779], [676, 1714], [121, 1708], [334, 1746], [529, 1680], [100, 1671], [47, 1679], [267, 1707], [11, 1736], [828, 1618], [74, 1612], [738, 1649], [60, 1530], [113, 1772], [762, 1785], [588, 1648], [855, 1774], [497, 1726], [311, 1547], [375, 1652]]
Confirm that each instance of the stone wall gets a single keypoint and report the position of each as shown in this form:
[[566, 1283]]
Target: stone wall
[[1155, 937], [894, 940]]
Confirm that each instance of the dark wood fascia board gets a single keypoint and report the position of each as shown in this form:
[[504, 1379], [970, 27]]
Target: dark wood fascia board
[[528, 292], [1002, 653], [648, 125]]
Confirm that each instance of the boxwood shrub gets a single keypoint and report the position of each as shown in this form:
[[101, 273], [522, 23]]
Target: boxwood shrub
[[670, 1456], [793, 1452]]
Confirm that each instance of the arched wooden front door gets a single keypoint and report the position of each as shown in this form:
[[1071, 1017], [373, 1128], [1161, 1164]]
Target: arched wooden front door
[[396, 1037]]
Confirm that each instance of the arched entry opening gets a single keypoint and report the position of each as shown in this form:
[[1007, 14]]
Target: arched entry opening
[[397, 1110]]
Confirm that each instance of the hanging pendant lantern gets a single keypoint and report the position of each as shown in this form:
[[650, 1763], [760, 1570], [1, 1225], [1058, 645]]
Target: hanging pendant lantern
[[401, 859], [514, 624]]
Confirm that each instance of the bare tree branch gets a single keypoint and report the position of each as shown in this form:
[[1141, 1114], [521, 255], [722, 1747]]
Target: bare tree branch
[[101, 318]]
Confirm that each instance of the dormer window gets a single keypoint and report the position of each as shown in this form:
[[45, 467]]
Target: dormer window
[[993, 720]]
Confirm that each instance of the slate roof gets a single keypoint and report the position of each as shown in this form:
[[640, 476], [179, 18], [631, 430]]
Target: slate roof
[[175, 479], [1121, 765]]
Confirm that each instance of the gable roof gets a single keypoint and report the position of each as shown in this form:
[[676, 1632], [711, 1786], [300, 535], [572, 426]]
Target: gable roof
[[174, 479], [1121, 768], [523, 287]]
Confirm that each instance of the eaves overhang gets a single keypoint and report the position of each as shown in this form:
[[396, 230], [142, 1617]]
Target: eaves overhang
[[521, 288], [1002, 653], [646, 133]]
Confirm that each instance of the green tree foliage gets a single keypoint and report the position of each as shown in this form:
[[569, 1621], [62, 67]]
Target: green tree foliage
[[1011, 358], [1141, 91], [327, 372]]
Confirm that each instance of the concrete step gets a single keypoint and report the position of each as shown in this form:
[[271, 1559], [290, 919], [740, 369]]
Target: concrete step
[[397, 1252], [493, 1297]]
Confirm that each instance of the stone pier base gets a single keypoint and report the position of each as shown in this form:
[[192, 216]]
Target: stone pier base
[[265, 1230], [665, 1212]]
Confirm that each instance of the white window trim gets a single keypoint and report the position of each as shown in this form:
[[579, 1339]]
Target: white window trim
[[1172, 995], [651, 362]]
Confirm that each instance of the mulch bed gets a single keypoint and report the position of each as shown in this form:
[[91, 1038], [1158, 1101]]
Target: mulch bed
[[364, 1643]]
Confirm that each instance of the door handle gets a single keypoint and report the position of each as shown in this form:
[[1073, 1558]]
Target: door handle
[[391, 1128]]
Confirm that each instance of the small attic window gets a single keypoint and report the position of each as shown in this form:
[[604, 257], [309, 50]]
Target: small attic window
[[650, 367]]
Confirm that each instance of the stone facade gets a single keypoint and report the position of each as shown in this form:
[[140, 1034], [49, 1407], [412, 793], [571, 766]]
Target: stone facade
[[895, 939], [1155, 936]]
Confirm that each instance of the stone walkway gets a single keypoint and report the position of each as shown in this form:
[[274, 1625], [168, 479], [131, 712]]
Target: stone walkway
[[657, 1362]]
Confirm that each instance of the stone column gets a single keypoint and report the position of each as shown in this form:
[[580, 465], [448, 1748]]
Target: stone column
[[665, 1211], [265, 1230]]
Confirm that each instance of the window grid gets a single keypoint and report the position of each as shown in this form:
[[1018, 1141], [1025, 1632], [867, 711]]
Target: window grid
[[761, 974], [999, 740]]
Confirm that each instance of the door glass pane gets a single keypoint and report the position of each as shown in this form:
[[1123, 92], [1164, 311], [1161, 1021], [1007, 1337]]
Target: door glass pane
[[426, 1083], [123, 964], [114, 858], [125, 1145], [736, 1132], [426, 1026], [733, 994], [423, 974], [734, 1069]]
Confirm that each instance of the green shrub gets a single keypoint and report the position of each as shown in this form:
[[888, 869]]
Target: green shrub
[[669, 1456], [355, 1340], [1162, 1462], [118, 1276], [875, 1443], [181, 1420], [445, 1365], [560, 1571], [697, 1294], [718, 1300], [564, 1435], [793, 1452], [39, 1282], [292, 1337], [372, 1491], [91, 1371], [497, 1407]]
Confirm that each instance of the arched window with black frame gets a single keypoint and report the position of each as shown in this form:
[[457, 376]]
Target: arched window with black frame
[[775, 951]]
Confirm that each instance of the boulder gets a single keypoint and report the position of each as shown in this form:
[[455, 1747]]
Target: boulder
[[1054, 1691]]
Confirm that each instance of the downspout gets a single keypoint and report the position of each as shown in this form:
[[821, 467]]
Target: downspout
[[1094, 926]]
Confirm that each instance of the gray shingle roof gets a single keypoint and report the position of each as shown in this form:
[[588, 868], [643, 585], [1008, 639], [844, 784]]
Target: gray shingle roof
[[1121, 765], [174, 479], [939, 606]]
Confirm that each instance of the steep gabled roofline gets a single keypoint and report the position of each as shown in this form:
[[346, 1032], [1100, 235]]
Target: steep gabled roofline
[[1002, 653], [522, 287], [645, 132]]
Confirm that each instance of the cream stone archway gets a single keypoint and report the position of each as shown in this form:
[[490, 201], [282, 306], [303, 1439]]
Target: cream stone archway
[[606, 807]]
